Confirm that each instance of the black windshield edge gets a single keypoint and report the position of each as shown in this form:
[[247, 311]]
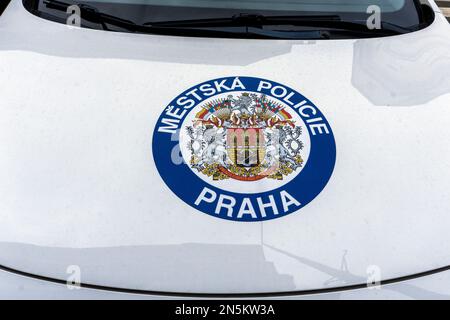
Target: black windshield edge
[[33, 7], [3, 5]]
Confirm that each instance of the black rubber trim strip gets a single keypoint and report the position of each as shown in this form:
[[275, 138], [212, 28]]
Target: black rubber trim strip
[[3, 5], [229, 295]]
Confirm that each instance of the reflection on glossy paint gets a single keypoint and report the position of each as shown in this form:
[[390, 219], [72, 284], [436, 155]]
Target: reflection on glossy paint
[[400, 71]]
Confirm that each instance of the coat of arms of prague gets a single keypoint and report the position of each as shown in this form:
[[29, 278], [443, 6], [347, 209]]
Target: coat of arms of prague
[[246, 137]]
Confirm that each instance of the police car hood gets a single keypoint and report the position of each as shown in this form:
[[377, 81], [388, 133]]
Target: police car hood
[[83, 198]]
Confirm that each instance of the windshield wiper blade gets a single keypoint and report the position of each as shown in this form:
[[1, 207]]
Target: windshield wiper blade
[[92, 14], [237, 26], [242, 20], [249, 20], [288, 34]]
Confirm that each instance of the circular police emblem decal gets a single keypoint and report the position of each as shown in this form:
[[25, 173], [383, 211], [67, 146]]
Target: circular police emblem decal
[[244, 149]]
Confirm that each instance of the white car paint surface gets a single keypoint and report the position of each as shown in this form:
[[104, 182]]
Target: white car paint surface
[[79, 186]]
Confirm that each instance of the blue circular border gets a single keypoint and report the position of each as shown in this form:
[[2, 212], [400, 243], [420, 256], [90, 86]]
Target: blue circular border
[[304, 188]]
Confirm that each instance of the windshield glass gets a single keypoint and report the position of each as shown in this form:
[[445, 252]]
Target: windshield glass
[[283, 18], [293, 5]]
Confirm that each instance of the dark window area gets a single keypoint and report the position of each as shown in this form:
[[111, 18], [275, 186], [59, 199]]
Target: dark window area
[[266, 19], [3, 5]]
